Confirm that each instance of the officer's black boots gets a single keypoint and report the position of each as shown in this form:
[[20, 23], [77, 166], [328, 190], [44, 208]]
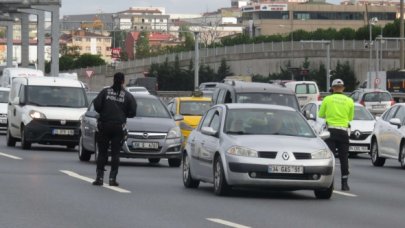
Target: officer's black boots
[[113, 182], [99, 178], [345, 185], [113, 177]]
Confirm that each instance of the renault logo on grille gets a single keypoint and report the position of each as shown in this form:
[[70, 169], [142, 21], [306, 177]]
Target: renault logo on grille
[[285, 156], [63, 122], [357, 134], [145, 135]]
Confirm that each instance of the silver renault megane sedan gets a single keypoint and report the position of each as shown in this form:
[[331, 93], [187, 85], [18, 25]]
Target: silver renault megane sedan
[[258, 145]]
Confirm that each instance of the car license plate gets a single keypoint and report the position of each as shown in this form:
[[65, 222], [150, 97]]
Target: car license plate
[[145, 145], [286, 169], [377, 106], [358, 148], [302, 98], [63, 132], [3, 121]]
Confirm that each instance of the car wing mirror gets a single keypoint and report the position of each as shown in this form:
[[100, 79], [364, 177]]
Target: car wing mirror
[[396, 122], [209, 131], [178, 118], [92, 114], [324, 135]]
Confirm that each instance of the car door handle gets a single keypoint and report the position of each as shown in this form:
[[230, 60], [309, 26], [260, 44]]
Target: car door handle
[[14, 112]]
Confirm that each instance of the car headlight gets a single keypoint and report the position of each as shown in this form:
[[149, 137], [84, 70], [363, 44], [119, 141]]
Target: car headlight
[[174, 133], [322, 154], [185, 126], [37, 115], [241, 151]]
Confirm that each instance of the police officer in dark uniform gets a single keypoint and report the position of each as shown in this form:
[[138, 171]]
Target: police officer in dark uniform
[[115, 105]]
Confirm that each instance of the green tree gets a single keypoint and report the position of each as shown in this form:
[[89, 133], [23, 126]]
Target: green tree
[[88, 60], [66, 62], [72, 51], [118, 39], [346, 73], [346, 34], [223, 71], [319, 76], [142, 45]]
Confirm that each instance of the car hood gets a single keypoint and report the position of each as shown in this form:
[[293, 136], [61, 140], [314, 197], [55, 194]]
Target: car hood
[[362, 125], [193, 121], [147, 124], [277, 143], [3, 108], [58, 113]]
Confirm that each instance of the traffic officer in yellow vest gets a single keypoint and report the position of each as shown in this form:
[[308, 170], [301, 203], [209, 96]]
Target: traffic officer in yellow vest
[[338, 111]]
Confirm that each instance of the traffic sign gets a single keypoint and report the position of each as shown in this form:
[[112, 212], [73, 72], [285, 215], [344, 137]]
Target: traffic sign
[[377, 81], [89, 73]]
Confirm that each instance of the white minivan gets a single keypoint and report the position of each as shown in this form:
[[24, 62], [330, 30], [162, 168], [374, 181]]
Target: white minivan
[[10, 73], [306, 91], [45, 110]]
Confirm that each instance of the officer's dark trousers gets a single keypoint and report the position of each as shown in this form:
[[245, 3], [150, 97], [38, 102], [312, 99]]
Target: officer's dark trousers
[[109, 133], [339, 139]]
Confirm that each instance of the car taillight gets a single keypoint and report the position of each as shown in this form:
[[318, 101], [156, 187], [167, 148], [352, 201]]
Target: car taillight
[[392, 102], [319, 98], [362, 103]]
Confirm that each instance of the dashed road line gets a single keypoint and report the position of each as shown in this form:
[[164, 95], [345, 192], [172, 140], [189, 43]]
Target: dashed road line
[[90, 180], [227, 223], [10, 156], [344, 193]]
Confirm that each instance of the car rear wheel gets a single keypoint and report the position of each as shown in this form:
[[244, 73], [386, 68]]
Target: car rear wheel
[[154, 160], [10, 139], [375, 159], [84, 155], [188, 180], [221, 187], [324, 193], [174, 162], [24, 143], [402, 157]]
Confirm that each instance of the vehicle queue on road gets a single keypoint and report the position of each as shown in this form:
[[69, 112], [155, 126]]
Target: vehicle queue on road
[[232, 145]]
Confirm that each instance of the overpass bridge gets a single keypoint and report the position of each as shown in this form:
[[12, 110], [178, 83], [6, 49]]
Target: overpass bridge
[[262, 58]]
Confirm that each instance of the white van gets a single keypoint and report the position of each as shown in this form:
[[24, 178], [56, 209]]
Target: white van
[[45, 110], [10, 73], [306, 91], [4, 93]]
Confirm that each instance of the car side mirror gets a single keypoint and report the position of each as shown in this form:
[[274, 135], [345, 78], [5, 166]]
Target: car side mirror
[[92, 114], [309, 116], [209, 131], [15, 101], [178, 118], [324, 135], [396, 122]]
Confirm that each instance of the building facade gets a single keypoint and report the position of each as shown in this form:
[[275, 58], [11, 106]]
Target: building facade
[[142, 18]]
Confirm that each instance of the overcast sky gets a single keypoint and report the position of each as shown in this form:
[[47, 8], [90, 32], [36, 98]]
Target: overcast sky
[[172, 6]]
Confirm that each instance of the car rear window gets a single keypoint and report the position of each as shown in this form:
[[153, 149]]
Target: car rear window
[[305, 89], [377, 96], [289, 100]]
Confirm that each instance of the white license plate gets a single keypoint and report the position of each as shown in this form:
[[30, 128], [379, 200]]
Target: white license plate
[[302, 98], [358, 148], [286, 169], [63, 132], [3, 121], [145, 145], [377, 106]]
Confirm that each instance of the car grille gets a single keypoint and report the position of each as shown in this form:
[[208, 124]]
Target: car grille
[[59, 123], [133, 150], [3, 115], [146, 135], [302, 156], [267, 154], [264, 175], [362, 136]]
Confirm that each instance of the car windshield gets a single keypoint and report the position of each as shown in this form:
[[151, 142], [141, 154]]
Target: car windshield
[[151, 107], [305, 89], [91, 96], [4, 96], [194, 108], [138, 89], [54, 96], [377, 96], [268, 98], [361, 113], [266, 122]]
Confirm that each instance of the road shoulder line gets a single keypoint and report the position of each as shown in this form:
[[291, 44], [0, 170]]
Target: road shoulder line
[[227, 223], [10, 156], [344, 193]]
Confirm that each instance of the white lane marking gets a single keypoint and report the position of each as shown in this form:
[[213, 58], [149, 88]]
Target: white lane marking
[[344, 193], [80, 177], [227, 223], [10, 156]]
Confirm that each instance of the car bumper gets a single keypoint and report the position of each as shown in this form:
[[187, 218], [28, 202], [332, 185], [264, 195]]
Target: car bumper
[[360, 146], [254, 172], [168, 148], [3, 123], [43, 132]]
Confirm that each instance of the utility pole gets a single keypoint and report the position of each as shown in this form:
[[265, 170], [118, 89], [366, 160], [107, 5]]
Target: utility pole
[[197, 59], [401, 35]]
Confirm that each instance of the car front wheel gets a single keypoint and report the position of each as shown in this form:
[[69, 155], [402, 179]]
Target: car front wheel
[[24, 143], [402, 157], [10, 139], [221, 187], [375, 159], [324, 193], [188, 180]]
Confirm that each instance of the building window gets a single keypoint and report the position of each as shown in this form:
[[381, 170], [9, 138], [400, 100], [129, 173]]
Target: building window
[[78, 39], [108, 49], [98, 39], [87, 39], [107, 40], [98, 48]]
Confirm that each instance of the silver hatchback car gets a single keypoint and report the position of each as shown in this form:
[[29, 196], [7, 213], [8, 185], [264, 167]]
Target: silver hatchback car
[[257, 145]]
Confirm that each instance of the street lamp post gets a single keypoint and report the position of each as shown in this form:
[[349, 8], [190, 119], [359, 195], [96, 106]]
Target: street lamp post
[[327, 43], [197, 59], [371, 22]]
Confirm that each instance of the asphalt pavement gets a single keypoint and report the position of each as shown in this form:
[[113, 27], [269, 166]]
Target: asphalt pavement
[[48, 186]]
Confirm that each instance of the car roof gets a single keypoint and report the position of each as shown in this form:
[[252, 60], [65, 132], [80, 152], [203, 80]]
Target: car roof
[[372, 90], [144, 95], [256, 106], [255, 87], [52, 81], [300, 82]]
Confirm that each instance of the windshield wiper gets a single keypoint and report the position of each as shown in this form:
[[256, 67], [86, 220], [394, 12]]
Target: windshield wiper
[[237, 132], [36, 104]]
